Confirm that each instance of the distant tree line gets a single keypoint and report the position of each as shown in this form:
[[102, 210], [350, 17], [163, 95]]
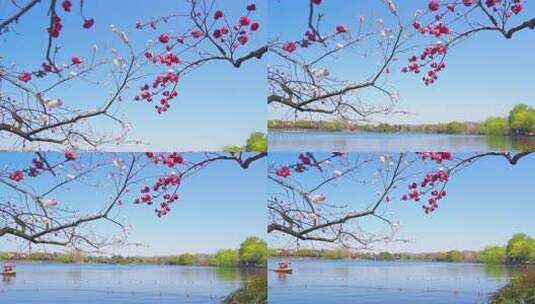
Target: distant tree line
[[521, 121], [341, 253], [520, 249], [252, 253]]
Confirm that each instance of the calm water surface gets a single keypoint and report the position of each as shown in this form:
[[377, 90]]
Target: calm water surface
[[326, 281], [393, 142], [91, 283]]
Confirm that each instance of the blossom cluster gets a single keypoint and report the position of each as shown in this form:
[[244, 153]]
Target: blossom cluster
[[431, 187], [433, 55], [224, 35], [165, 188], [160, 191], [57, 26], [304, 162], [37, 167]]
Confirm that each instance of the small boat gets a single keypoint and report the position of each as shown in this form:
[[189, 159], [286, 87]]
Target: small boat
[[284, 267], [283, 270], [9, 270]]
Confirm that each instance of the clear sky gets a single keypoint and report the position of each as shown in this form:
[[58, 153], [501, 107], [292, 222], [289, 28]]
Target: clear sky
[[486, 75], [218, 104], [218, 208], [486, 204]]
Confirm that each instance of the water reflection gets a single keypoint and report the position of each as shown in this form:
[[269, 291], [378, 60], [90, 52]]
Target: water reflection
[[503, 143], [342, 272], [283, 276], [398, 142], [228, 274], [74, 276], [7, 279], [497, 271]]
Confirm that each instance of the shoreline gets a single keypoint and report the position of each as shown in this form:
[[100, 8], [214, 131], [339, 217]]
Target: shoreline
[[404, 261], [306, 130], [80, 263]]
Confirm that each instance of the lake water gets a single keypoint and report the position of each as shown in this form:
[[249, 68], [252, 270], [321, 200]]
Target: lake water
[[125, 284], [339, 281], [393, 142]]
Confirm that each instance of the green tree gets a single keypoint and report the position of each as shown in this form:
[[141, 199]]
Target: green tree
[[272, 124], [305, 124], [186, 259], [226, 258], [306, 252], [118, 259], [495, 126], [522, 119], [492, 255], [385, 256], [257, 142], [274, 252], [453, 256], [5, 256], [336, 254], [384, 128], [456, 127], [332, 126], [253, 251], [232, 149], [39, 256], [520, 248]]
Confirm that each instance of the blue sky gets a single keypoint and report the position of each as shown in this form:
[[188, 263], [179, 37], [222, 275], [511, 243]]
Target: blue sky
[[486, 75], [486, 204], [218, 104], [219, 207]]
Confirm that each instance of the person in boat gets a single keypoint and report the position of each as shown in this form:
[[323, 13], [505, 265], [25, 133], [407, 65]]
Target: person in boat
[[284, 265], [9, 268]]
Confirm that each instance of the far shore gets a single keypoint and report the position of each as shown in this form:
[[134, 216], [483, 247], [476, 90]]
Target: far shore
[[252, 253], [309, 258], [519, 122], [310, 130], [509, 254], [195, 260], [393, 129], [237, 267]]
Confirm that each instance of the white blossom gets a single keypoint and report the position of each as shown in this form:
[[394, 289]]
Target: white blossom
[[54, 103], [321, 74], [118, 163], [392, 6], [47, 202], [316, 198], [44, 117], [124, 38]]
